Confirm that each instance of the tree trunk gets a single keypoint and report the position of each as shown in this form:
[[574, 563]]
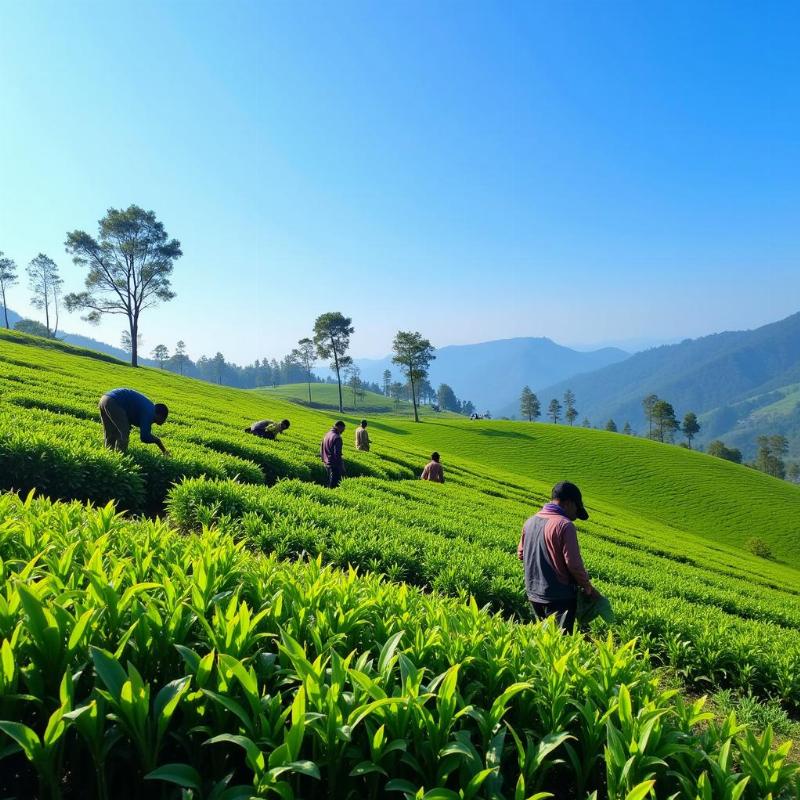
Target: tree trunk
[[338, 380], [413, 395], [47, 312], [5, 307], [134, 342], [308, 383]]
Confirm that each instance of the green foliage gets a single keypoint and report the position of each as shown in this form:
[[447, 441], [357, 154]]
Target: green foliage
[[758, 547], [332, 332], [530, 406], [413, 354], [128, 267], [711, 625], [718, 449], [131, 655]]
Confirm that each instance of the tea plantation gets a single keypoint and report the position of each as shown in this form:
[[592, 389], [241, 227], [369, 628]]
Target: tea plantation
[[219, 649]]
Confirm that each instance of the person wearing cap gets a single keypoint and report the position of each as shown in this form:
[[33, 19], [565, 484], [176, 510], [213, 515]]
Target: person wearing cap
[[120, 409], [433, 470], [362, 437], [548, 547], [267, 429], [331, 454]]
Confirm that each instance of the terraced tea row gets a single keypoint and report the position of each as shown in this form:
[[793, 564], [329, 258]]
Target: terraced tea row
[[133, 655], [719, 629]]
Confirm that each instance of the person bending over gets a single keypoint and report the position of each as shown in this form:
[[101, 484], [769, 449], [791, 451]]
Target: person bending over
[[267, 429], [122, 408]]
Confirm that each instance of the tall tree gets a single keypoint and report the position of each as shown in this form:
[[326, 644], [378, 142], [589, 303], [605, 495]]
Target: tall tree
[[569, 404], [8, 277], [690, 427], [332, 333], [554, 410], [180, 355], [218, 365], [160, 354], [611, 426], [665, 422], [447, 399], [627, 430], [353, 379], [413, 355], [396, 392], [129, 267], [45, 284], [587, 423], [387, 381], [793, 472], [305, 354], [529, 404], [648, 404]]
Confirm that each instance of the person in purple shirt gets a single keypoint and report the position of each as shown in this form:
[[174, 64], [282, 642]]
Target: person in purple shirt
[[122, 408], [330, 452]]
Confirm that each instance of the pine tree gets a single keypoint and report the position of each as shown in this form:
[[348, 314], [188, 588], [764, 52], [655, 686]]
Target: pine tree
[[554, 410], [529, 404], [690, 427], [611, 426]]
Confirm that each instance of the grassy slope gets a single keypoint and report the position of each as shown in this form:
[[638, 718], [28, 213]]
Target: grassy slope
[[655, 541], [326, 396], [690, 492]]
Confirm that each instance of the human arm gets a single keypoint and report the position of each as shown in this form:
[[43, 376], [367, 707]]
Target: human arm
[[521, 545], [574, 560]]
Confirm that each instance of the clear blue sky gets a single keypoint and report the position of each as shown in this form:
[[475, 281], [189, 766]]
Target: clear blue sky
[[589, 171]]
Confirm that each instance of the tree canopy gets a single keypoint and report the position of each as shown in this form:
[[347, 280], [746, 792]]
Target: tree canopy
[[332, 333], [413, 354], [129, 266]]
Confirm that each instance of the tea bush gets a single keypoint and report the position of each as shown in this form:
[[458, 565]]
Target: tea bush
[[137, 662]]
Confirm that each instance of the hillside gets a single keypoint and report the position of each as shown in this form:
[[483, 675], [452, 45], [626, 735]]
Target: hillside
[[325, 396], [491, 374], [727, 377], [663, 543]]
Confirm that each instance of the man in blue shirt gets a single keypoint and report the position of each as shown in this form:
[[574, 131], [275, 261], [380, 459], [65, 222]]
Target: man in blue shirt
[[121, 408]]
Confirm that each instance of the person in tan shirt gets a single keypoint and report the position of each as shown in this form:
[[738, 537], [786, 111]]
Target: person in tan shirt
[[433, 470], [362, 437]]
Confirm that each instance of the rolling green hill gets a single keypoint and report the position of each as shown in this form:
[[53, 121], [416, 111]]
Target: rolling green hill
[[664, 543], [325, 396], [727, 376]]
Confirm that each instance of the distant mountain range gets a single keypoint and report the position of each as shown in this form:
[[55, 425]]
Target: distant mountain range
[[740, 383], [491, 374]]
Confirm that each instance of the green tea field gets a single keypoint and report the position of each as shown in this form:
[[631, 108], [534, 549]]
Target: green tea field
[[237, 630], [325, 396]]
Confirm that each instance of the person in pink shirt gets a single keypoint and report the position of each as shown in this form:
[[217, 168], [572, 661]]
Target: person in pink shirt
[[330, 452], [433, 470], [554, 569]]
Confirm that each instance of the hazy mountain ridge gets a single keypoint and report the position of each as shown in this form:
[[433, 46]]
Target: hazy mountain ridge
[[491, 374], [726, 378]]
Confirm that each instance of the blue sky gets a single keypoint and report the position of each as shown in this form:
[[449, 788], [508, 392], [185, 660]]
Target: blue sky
[[592, 172]]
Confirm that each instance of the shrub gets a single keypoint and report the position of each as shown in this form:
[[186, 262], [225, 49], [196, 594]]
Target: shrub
[[62, 468], [758, 547]]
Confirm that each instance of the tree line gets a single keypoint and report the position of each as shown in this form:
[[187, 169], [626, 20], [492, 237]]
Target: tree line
[[663, 425], [128, 267]]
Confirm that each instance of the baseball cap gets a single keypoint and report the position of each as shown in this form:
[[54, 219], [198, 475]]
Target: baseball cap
[[569, 491]]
